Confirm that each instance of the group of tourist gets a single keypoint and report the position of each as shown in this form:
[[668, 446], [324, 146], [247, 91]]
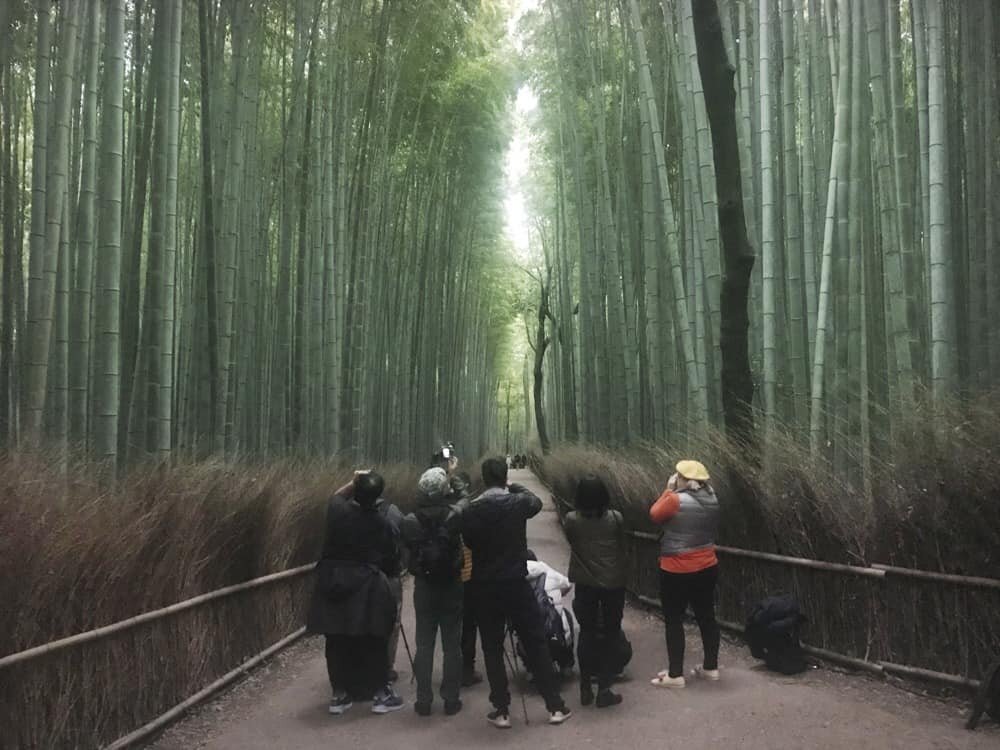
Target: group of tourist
[[468, 557]]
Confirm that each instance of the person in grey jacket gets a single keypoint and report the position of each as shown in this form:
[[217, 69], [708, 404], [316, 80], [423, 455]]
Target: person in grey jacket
[[596, 537], [688, 510], [432, 535]]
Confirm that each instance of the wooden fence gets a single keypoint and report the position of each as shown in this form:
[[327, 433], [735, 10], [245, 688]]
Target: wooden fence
[[91, 689], [888, 620]]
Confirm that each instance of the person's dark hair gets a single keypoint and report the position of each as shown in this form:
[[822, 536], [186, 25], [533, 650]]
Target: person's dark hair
[[368, 488], [592, 498], [530, 555], [495, 472]]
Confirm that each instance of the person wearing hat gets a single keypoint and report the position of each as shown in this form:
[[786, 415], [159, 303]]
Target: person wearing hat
[[432, 535], [688, 511]]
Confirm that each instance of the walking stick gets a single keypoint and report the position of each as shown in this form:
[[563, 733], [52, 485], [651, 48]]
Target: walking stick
[[409, 654], [514, 671]]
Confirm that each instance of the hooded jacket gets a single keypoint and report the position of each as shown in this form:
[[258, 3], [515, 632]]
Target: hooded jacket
[[494, 527], [353, 595]]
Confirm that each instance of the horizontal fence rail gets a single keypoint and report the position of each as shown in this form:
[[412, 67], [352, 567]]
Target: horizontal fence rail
[[884, 619], [156, 614], [94, 689]]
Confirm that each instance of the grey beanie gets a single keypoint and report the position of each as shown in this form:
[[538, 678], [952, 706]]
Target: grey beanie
[[434, 483]]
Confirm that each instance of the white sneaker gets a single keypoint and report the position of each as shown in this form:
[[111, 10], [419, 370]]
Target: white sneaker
[[499, 718], [663, 679], [559, 716], [707, 674]]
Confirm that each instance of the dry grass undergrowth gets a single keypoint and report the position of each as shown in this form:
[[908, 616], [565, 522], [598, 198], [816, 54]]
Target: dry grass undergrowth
[[932, 501], [78, 553], [81, 554]]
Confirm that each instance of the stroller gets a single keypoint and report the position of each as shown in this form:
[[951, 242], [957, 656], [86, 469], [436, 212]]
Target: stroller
[[561, 627]]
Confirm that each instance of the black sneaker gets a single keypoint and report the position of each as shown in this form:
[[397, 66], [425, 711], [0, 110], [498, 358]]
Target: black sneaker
[[560, 715], [586, 692], [386, 701], [340, 704], [606, 699], [500, 718], [452, 707], [422, 709], [471, 677]]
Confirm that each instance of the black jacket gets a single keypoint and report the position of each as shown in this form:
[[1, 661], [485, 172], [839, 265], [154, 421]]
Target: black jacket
[[494, 527], [352, 594]]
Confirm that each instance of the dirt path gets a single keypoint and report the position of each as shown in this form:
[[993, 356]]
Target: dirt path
[[283, 705]]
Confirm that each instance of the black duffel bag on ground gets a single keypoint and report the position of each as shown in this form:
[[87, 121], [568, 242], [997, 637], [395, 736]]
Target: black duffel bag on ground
[[772, 633]]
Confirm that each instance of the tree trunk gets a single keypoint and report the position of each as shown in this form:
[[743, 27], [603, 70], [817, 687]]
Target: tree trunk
[[718, 76], [108, 271]]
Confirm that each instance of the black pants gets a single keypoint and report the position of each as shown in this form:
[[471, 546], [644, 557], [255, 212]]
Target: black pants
[[468, 632], [599, 612], [438, 607], [496, 603], [677, 590], [357, 664]]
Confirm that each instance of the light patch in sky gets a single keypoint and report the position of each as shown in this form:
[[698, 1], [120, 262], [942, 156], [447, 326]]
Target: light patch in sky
[[517, 163], [518, 166]]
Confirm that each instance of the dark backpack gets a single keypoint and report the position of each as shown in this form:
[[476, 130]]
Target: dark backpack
[[437, 554], [772, 633], [560, 645]]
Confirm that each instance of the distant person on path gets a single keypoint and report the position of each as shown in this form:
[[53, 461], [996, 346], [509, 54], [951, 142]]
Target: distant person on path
[[596, 537], [353, 604], [495, 529], [688, 510], [433, 537]]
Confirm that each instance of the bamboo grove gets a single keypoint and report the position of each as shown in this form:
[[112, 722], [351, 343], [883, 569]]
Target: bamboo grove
[[867, 134], [251, 228]]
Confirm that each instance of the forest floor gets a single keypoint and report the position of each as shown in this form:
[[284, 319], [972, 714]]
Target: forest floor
[[283, 704]]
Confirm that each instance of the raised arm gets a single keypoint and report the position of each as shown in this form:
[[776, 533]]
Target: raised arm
[[526, 500], [665, 507]]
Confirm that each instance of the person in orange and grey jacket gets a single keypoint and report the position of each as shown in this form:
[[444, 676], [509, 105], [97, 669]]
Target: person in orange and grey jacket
[[688, 510]]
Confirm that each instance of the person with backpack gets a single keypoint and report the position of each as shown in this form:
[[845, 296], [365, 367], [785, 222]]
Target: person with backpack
[[352, 603], [494, 527], [596, 538], [688, 510], [432, 535]]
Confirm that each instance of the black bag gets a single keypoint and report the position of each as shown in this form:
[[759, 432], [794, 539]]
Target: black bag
[[437, 554], [772, 633], [560, 646]]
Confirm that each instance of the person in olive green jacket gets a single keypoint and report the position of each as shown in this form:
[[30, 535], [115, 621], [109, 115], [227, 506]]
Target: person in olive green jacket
[[596, 536]]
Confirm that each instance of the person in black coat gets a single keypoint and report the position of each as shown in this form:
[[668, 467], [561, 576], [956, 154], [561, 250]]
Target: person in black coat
[[494, 527], [353, 604]]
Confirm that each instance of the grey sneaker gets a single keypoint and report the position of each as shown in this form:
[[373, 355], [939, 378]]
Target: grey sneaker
[[340, 704], [386, 701]]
